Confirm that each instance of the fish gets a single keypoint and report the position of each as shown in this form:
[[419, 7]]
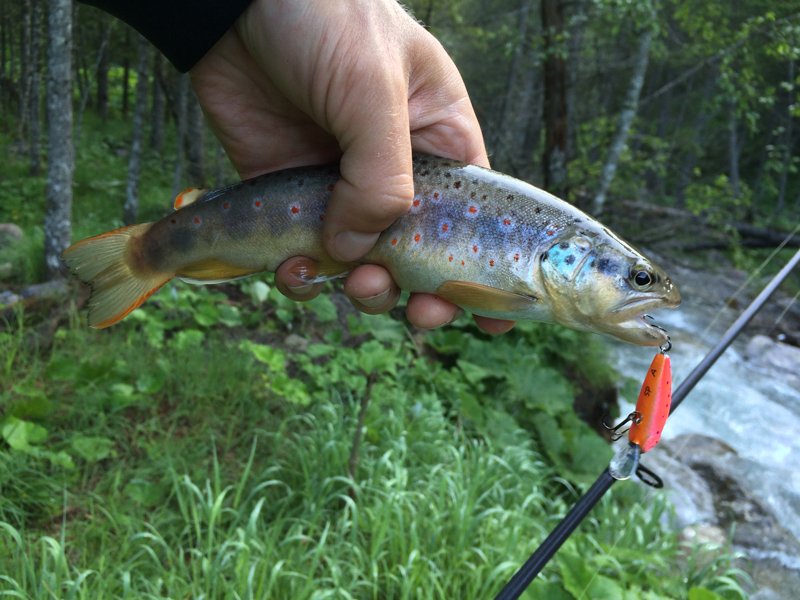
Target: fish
[[648, 419], [492, 244]]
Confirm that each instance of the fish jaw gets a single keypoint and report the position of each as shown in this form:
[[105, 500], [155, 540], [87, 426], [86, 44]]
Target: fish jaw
[[591, 280]]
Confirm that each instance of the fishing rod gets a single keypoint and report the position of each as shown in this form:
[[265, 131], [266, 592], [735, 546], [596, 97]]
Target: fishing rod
[[534, 565]]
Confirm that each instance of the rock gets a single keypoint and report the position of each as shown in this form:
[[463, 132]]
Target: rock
[[50, 289], [295, 343], [10, 234], [5, 269], [774, 358], [8, 298]]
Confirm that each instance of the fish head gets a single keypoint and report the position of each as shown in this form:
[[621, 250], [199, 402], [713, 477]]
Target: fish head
[[597, 282]]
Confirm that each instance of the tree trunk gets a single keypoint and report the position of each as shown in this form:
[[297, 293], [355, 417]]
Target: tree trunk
[[194, 142], [700, 123], [157, 123], [575, 40], [3, 63], [180, 110], [60, 163], [126, 72], [88, 87], [788, 144], [135, 158], [626, 117], [733, 150], [25, 79], [102, 75], [554, 159], [502, 128], [35, 128]]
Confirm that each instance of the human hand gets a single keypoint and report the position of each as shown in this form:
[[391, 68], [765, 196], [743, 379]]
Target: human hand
[[299, 82]]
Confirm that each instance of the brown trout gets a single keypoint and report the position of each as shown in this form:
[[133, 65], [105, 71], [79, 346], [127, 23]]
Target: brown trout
[[492, 244]]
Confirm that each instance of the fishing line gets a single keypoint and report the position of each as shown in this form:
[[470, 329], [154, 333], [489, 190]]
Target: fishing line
[[752, 276], [537, 561]]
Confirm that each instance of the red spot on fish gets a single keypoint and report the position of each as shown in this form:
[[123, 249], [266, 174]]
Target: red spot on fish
[[462, 263], [491, 263], [516, 257], [506, 222], [295, 210], [322, 217], [416, 202], [226, 206], [451, 258], [330, 188], [197, 219], [258, 203], [394, 242], [474, 248], [416, 238], [472, 209], [551, 232], [436, 195], [173, 221], [445, 227]]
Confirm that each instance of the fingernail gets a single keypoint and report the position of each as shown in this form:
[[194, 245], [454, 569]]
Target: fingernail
[[374, 301], [300, 290], [455, 317], [351, 245]]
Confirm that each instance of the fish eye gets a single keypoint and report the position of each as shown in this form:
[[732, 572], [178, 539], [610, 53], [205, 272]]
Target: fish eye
[[642, 278]]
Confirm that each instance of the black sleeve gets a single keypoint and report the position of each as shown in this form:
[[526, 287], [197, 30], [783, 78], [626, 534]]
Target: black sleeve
[[184, 30]]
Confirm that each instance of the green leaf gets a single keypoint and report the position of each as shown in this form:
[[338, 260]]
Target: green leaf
[[575, 574], [93, 449], [374, 356], [544, 590], [471, 408], [190, 338], [61, 369], [230, 316], [274, 358], [259, 292], [323, 307], [472, 372], [21, 434], [543, 388], [697, 593], [206, 315]]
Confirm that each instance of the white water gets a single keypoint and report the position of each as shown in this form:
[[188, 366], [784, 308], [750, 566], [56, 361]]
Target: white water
[[753, 412]]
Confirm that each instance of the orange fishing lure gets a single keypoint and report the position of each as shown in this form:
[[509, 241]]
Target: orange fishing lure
[[649, 418]]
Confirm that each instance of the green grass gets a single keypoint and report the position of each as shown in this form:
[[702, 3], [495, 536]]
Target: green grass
[[189, 452]]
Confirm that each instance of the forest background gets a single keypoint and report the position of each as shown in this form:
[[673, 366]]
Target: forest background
[[212, 443]]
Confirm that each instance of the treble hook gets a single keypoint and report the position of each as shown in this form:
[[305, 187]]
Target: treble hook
[[634, 417], [669, 341]]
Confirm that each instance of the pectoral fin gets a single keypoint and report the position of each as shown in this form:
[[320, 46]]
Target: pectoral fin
[[483, 297]]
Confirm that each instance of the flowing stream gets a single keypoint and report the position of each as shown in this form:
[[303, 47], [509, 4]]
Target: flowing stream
[[755, 413]]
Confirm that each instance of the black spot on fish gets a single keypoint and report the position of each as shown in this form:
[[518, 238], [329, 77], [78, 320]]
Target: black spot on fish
[[300, 182], [424, 173], [472, 194], [447, 173], [252, 182], [576, 220], [569, 259], [537, 210], [564, 245], [457, 184], [594, 264], [483, 198], [510, 197], [475, 181]]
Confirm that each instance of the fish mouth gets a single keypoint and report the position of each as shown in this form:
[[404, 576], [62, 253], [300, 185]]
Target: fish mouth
[[632, 324]]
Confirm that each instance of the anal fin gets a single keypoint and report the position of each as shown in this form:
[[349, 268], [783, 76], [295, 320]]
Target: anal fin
[[214, 270], [483, 297], [312, 271]]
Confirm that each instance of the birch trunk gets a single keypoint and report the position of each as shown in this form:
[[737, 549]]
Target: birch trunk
[[60, 164], [35, 127], [102, 74], [625, 119], [788, 143], [131, 212], [733, 150]]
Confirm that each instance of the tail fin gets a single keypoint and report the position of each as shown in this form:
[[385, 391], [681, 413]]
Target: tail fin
[[104, 262]]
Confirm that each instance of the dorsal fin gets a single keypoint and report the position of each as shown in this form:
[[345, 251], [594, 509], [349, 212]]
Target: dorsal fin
[[188, 196], [483, 297]]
